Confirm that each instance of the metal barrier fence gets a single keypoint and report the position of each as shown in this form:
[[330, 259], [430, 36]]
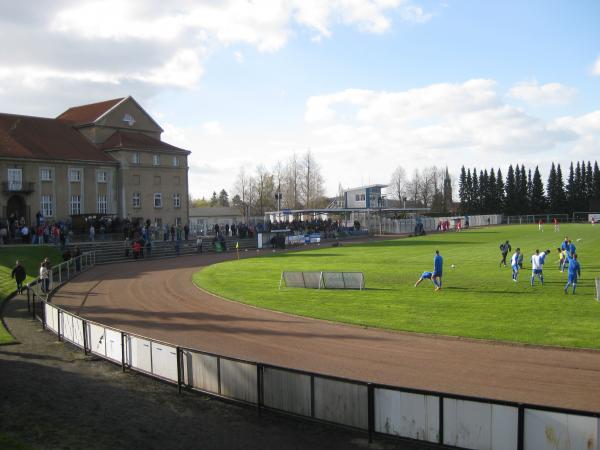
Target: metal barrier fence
[[413, 414]]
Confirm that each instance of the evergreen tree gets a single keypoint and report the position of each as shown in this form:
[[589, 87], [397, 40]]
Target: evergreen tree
[[551, 191], [499, 206], [223, 198], [538, 201], [491, 192], [462, 189], [511, 192], [560, 190], [596, 188], [589, 185], [530, 205], [571, 190], [523, 204], [447, 191], [469, 192], [214, 201], [578, 184], [476, 208]]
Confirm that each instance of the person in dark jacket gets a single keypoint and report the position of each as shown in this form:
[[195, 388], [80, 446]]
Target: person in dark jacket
[[19, 274]]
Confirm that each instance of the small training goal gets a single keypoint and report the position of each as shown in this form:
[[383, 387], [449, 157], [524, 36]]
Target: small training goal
[[323, 280]]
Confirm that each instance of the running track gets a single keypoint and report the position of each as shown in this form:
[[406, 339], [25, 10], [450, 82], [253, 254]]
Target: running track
[[157, 299]]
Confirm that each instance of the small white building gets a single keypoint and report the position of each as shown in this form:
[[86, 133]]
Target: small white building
[[203, 220], [365, 197]]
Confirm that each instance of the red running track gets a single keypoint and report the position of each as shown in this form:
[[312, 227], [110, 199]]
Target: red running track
[[157, 299]]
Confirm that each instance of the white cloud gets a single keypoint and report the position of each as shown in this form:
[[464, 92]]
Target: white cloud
[[596, 67], [411, 13], [550, 93], [239, 57], [212, 128]]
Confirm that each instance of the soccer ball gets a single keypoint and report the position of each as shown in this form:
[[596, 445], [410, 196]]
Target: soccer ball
[[453, 266]]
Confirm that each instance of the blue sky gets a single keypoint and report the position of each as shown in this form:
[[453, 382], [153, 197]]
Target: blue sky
[[366, 86]]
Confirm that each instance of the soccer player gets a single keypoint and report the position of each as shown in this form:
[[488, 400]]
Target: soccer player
[[556, 225], [438, 263], [562, 256], [514, 262], [505, 248], [571, 250], [536, 268], [540, 225], [574, 272], [425, 276]]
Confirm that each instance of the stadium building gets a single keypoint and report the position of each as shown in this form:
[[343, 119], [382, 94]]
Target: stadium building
[[101, 159]]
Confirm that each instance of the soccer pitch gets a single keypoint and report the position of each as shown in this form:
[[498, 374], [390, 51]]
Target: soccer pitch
[[478, 299]]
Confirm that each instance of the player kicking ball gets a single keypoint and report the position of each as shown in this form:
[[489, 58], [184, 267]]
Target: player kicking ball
[[514, 263], [425, 276]]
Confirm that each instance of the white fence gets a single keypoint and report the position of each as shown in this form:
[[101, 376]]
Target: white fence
[[441, 418], [402, 226]]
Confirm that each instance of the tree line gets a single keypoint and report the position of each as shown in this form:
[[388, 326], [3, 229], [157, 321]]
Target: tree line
[[428, 188], [523, 191], [295, 184]]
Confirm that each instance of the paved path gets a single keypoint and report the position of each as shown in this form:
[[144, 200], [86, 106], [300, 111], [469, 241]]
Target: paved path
[[157, 299]]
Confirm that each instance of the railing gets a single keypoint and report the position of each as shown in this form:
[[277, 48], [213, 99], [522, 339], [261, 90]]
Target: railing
[[18, 187], [456, 420]]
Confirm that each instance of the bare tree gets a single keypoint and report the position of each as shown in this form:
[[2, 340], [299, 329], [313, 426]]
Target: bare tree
[[398, 183], [291, 191], [413, 188], [311, 182], [241, 188], [264, 189]]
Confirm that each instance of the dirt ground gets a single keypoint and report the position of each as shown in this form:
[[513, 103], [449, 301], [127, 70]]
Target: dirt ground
[[157, 299], [54, 397]]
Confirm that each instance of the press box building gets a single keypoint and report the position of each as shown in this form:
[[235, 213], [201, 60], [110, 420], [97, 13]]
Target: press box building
[[104, 158]]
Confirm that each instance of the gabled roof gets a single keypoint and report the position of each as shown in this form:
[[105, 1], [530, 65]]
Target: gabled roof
[[41, 138], [132, 140], [86, 114]]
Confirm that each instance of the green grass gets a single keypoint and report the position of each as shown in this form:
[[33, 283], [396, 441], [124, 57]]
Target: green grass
[[30, 257], [479, 299]]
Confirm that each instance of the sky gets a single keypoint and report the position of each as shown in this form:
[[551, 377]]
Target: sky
[[365, 85]]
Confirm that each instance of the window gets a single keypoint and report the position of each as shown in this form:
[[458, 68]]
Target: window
[[15, 179], [157, 180], [102, 204], [176, 201], [135, 158], [74, 175], [175, 161], [101, 176], [362, 197], [157, 200], [357, 197], [46, 174], [46, 206], [75, 205], [136, 200], [156, 160]]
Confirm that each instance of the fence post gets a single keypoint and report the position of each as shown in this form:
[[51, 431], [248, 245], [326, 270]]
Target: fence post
[[521, 429], [84, 323], [258, 387], [441, 420], [122, 348], [58, 324], [179, 377], [28, 299], [371, 410], [33, 304]]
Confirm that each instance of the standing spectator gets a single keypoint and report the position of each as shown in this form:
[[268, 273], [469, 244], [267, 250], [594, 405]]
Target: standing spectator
[[44, 277], [216, 229], [62, 239], [148, 247], [25, 234], [19, 274], [177, 244], [92, 233], [3, 235], [172, 232], [76, 256], [226, 229], [186, 231], [127, 244], [137, 249], [199, 245]]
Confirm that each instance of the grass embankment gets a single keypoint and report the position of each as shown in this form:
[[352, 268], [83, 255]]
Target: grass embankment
[[478, 300], [30, 257]]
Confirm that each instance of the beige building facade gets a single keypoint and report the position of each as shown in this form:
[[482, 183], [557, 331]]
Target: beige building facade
[[100, 159]]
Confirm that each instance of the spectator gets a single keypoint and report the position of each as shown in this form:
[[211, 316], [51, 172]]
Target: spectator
[[44, 277], [19, 274], [199, 245], [92, 233], [127, 244], [137, 249], [186, 231]]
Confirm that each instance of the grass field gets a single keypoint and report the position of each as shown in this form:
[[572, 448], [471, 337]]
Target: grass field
[[30, 257], [478, 300]]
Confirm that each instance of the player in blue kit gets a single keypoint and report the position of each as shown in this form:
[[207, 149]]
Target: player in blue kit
[[514, 263], [536, 267], [425, 276], [574, 273], [438, 263]]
